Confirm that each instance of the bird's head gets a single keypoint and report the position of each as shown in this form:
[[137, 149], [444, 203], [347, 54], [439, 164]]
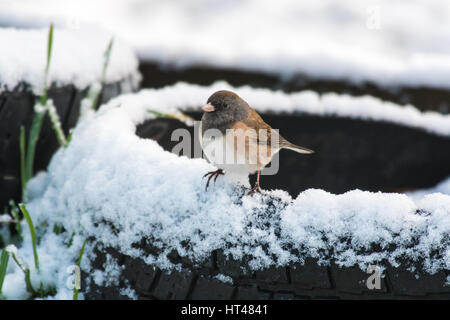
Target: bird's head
[[226, 106]]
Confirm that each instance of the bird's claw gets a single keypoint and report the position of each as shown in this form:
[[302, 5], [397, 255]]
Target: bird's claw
[[255, 189], [212, 174]]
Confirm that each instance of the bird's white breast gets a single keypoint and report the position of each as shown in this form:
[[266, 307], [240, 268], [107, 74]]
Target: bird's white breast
[[239, 155]]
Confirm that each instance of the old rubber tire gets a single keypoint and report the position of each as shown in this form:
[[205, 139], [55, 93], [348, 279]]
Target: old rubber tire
[[296, 281]]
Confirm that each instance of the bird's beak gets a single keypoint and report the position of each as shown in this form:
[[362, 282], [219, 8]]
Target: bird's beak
[[208, 108]]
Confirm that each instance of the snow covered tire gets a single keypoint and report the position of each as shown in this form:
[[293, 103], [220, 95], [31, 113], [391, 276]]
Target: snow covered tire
[[296, 281]]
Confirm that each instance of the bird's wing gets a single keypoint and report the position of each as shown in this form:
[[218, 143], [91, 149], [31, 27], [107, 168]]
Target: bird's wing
[[274, 139], [250, 145], [265, 133]]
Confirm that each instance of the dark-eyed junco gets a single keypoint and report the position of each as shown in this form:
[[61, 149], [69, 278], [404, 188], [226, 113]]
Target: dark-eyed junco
[[236, 139]]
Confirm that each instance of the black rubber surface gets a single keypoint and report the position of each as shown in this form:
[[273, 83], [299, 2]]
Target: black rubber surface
[[296, 281], [16, 109], [424, 98]]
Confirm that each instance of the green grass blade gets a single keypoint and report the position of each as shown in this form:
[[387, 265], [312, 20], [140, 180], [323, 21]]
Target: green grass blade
[[23, 266], [107, 56], [97, 89], [56, 123], [32, 140], [41, 290], [69, 244], [23, 176], [38, 114], [159, 114], [57, 228], [177, 115], [4, 258], [27, 216], [75, 289], [47, 66], [81, 253], [29, 287], [49, 45], [69, 138]]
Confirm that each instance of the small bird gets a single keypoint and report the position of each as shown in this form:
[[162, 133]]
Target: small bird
[[236, 139]]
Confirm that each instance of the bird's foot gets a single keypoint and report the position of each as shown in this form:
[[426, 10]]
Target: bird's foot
[[212, 174], [255, 189]]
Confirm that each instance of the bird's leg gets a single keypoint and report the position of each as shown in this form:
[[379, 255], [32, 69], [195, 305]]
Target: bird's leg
[[256, 187], [212, 174]]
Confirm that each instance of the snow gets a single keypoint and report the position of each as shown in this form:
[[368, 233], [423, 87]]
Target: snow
[[109, 276], [191, 96], [5, 218], [118, 188], [224, 278], [130, 293], [77, 58], [351, 223], [400, 43], [442, 187]]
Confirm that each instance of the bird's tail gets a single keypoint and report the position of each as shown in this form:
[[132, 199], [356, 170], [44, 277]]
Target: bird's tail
[[287, 145]]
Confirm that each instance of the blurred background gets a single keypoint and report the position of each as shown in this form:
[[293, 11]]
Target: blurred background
[[388, 44], [395, 51]]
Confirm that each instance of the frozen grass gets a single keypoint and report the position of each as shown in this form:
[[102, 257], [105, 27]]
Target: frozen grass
[[47, 65], [27, 216], [44, 104], [26, 168], [38, 118], [91, 100], [23, 170], [56, 123], [39, 113], [174, 115], [76, 287], [95, 95], [12, 250]]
